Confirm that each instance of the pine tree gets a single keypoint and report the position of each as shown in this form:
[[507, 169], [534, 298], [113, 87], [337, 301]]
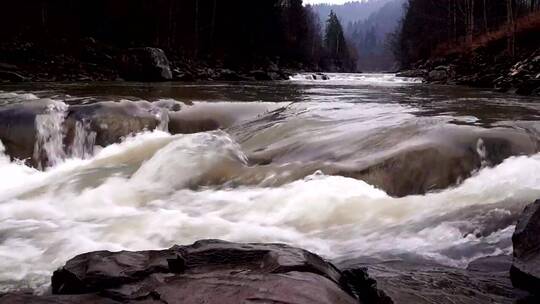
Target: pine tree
[[338, 52], [334, 38]]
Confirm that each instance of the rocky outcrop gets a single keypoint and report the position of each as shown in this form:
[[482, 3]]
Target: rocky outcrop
[[207, 271], [193, 71], [145, 64], [523, 77], [111, 121], [525, 272], [483, 68], [422, 169]]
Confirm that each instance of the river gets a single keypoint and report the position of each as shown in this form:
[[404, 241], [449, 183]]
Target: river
[[358, 165]]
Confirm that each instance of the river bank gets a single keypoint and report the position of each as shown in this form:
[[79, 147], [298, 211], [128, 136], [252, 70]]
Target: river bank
[[90, 60], [487, 66]]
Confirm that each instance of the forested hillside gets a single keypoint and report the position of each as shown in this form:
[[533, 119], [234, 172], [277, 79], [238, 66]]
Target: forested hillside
[[229, 30], [370, 37], [351, 11], [233, 34], [439, 27], [491, 44]]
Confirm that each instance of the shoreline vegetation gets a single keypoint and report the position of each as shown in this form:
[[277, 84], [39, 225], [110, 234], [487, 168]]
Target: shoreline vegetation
[[202, 39], [484, 44]]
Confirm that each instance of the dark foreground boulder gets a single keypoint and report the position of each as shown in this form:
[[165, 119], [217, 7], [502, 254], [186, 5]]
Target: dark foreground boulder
[[207, 271], [419, 281], [525, 272], [145, 64]]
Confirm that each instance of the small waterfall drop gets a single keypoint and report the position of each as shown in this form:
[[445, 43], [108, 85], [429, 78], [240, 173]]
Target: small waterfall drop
[[482, 152], [84, 140], [162, 114], [48, 148]]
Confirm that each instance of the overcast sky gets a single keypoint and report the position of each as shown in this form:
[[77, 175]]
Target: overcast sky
[[325, 1]]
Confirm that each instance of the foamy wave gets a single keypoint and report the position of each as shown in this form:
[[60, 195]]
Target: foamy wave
[[346, 79], [17, 96], [147, 193]]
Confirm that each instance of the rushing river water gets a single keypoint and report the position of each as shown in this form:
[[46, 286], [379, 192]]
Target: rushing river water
[[358, 165]]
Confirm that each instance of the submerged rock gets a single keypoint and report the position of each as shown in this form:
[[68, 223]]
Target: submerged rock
[[419, 73], [145, 64], [525, 272], [207, 271], [438, 75]]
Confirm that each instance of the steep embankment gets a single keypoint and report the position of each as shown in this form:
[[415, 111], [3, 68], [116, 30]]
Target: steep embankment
[[488, 62]]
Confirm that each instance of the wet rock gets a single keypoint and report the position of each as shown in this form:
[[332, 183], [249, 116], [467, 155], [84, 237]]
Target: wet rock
[[260, 75], [407, 281], [439, 75], [432, 167], [28, 298], [529, 87], [111, 121], [107, 122], [419, 73], [319, 76], [182, 75], [10, 76], [269, 75], [207, 271], [17, 128], [145, 64], [322, 76], [525, 272], [229, 75]]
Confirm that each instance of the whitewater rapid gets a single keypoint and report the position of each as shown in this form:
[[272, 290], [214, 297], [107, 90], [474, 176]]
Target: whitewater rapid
[[140, 198], [257, 178]]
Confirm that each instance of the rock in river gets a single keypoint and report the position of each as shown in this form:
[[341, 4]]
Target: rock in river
[[525, 270], [145, 64], [207, 271]]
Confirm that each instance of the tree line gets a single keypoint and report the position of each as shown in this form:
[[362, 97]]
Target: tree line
[[234, 32], [431, 25]]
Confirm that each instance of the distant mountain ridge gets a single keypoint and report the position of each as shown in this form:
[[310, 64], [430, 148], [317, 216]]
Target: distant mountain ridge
[[350, 11], [367, 24]]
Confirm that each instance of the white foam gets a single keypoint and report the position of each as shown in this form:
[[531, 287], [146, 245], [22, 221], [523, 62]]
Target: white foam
[[351, 79], [49, 134], [17, 96], [139, 195]]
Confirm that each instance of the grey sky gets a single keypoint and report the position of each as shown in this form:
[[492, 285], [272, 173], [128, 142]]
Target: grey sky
[[326, 1]]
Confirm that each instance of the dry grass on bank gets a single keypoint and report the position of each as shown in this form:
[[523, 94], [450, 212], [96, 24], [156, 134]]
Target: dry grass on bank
[[523, 24]]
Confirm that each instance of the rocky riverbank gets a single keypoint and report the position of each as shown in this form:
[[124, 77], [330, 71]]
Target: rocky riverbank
[[486, 67], [520, 75], [91, 60]]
